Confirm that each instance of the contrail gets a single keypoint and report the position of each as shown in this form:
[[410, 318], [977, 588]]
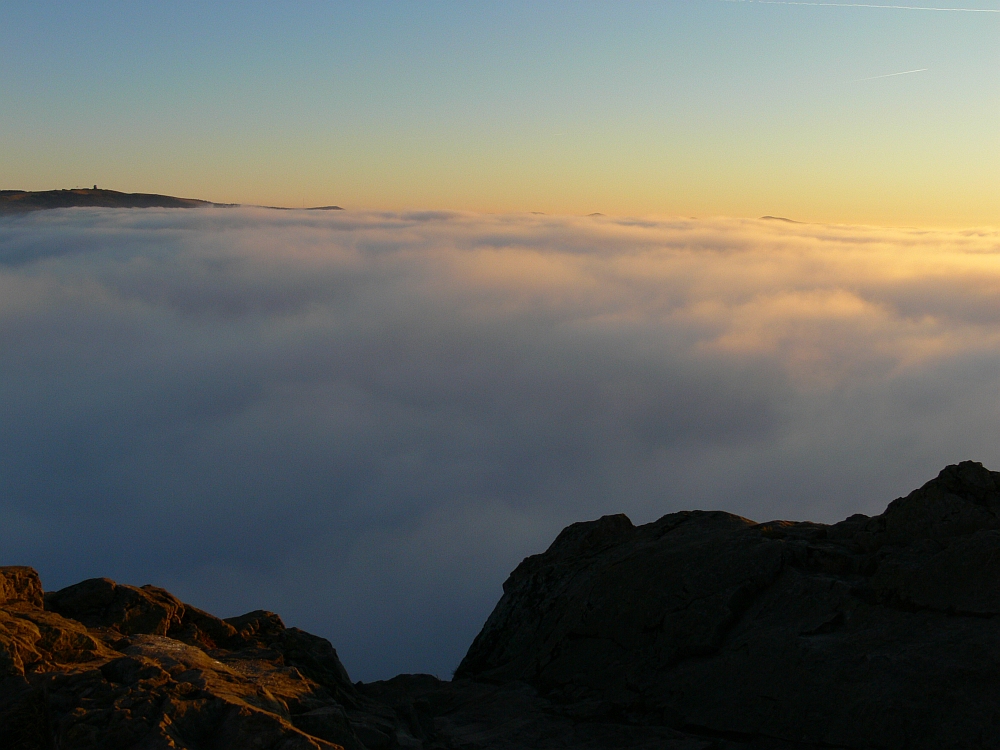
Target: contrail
[[890, 75], [872, 5]]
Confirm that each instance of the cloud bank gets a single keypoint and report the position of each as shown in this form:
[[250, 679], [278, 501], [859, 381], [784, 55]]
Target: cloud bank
[[365, 421]]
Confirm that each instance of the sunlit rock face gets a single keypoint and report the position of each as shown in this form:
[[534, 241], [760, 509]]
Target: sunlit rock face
[[102, 665], [702, 630]]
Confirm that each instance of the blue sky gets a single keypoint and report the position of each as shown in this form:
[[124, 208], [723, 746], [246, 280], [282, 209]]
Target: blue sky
[[706, 107]]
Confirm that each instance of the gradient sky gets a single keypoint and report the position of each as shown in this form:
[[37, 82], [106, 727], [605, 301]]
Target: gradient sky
[[701, 107]]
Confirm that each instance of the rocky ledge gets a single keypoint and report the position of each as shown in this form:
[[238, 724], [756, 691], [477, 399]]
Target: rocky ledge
[[702, 630]]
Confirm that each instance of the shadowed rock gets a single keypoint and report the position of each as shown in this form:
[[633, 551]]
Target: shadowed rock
[[871, 633]]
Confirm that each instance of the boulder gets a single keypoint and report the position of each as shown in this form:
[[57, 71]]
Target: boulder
[[20, 585], [100, 602]]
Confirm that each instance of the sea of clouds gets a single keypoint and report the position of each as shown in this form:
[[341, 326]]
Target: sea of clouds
[[364, 421]]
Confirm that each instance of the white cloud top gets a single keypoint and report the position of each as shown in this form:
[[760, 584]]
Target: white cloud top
[[364, 421]]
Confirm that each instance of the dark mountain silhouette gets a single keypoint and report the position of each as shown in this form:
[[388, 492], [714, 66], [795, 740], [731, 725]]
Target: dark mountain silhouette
[[700, 631], [23, 201], [779, 218]]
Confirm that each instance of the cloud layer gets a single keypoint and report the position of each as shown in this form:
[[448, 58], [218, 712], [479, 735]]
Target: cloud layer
[[364, 421]]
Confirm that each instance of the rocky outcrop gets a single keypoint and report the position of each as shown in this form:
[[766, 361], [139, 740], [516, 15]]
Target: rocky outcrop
[[102, 665], [700, 631], [870, 633]]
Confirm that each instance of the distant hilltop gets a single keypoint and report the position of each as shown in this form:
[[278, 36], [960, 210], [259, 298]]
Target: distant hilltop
[[23, 201]]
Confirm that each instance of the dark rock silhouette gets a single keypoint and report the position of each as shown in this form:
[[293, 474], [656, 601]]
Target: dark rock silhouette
[[23, 201], [870, 633], [701, 630]]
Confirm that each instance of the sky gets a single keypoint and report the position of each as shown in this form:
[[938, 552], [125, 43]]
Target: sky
[[692, 108], [363, 421]]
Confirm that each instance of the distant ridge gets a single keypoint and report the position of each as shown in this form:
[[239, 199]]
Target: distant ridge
[[779, 218], [310, 208], [24, 201]]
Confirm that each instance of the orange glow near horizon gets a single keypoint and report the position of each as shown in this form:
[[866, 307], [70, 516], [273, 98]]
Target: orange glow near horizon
[[673, 109]]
